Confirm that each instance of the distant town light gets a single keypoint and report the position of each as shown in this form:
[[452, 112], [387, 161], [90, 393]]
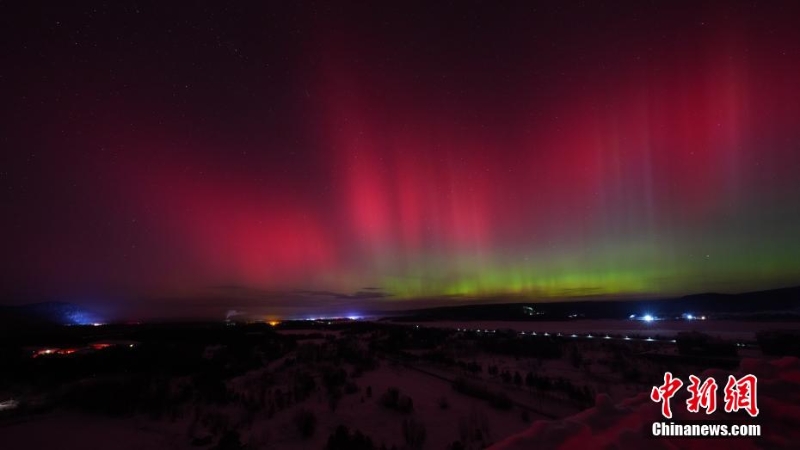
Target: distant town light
[[647, 318], [8, 404]]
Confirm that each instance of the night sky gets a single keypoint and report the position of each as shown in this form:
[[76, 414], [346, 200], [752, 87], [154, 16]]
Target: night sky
[[298, 156]]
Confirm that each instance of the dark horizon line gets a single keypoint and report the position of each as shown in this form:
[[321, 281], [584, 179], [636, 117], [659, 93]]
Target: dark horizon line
[[434, 303]]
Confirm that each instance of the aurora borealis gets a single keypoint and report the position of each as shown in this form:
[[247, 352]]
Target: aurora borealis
[[388, 152]]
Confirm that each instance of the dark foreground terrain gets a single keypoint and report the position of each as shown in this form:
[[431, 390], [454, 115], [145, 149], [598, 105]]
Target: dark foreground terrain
[[348, 384]]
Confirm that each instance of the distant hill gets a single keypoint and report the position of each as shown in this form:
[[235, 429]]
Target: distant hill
[[46, 313], [776, 304]]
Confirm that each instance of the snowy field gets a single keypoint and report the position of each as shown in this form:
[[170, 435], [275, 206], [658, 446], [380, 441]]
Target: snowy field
[[615, 371], [73, 431], [626, 424]]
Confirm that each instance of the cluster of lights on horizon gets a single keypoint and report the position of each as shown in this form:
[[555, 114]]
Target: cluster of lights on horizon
[[647, 317]]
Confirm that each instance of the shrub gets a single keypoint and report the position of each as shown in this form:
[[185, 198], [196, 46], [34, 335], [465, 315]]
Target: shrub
[[474, 429], [497, 399], [341, 439], [405, 404], [229, 441], [414, 433], [575, 357], [334, 377], [304, 385], [392, 399], [456, 445], [500, 400], [530, 380], [350, 388], [306, 422], [333, 399]]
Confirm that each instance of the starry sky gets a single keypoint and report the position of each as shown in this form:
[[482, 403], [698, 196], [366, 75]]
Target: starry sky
[[312, 156]]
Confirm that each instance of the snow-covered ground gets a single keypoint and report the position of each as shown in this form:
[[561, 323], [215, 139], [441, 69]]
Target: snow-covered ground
[[626, 425], [68, 431], [622, 406], [72, 431], [384, 426]]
